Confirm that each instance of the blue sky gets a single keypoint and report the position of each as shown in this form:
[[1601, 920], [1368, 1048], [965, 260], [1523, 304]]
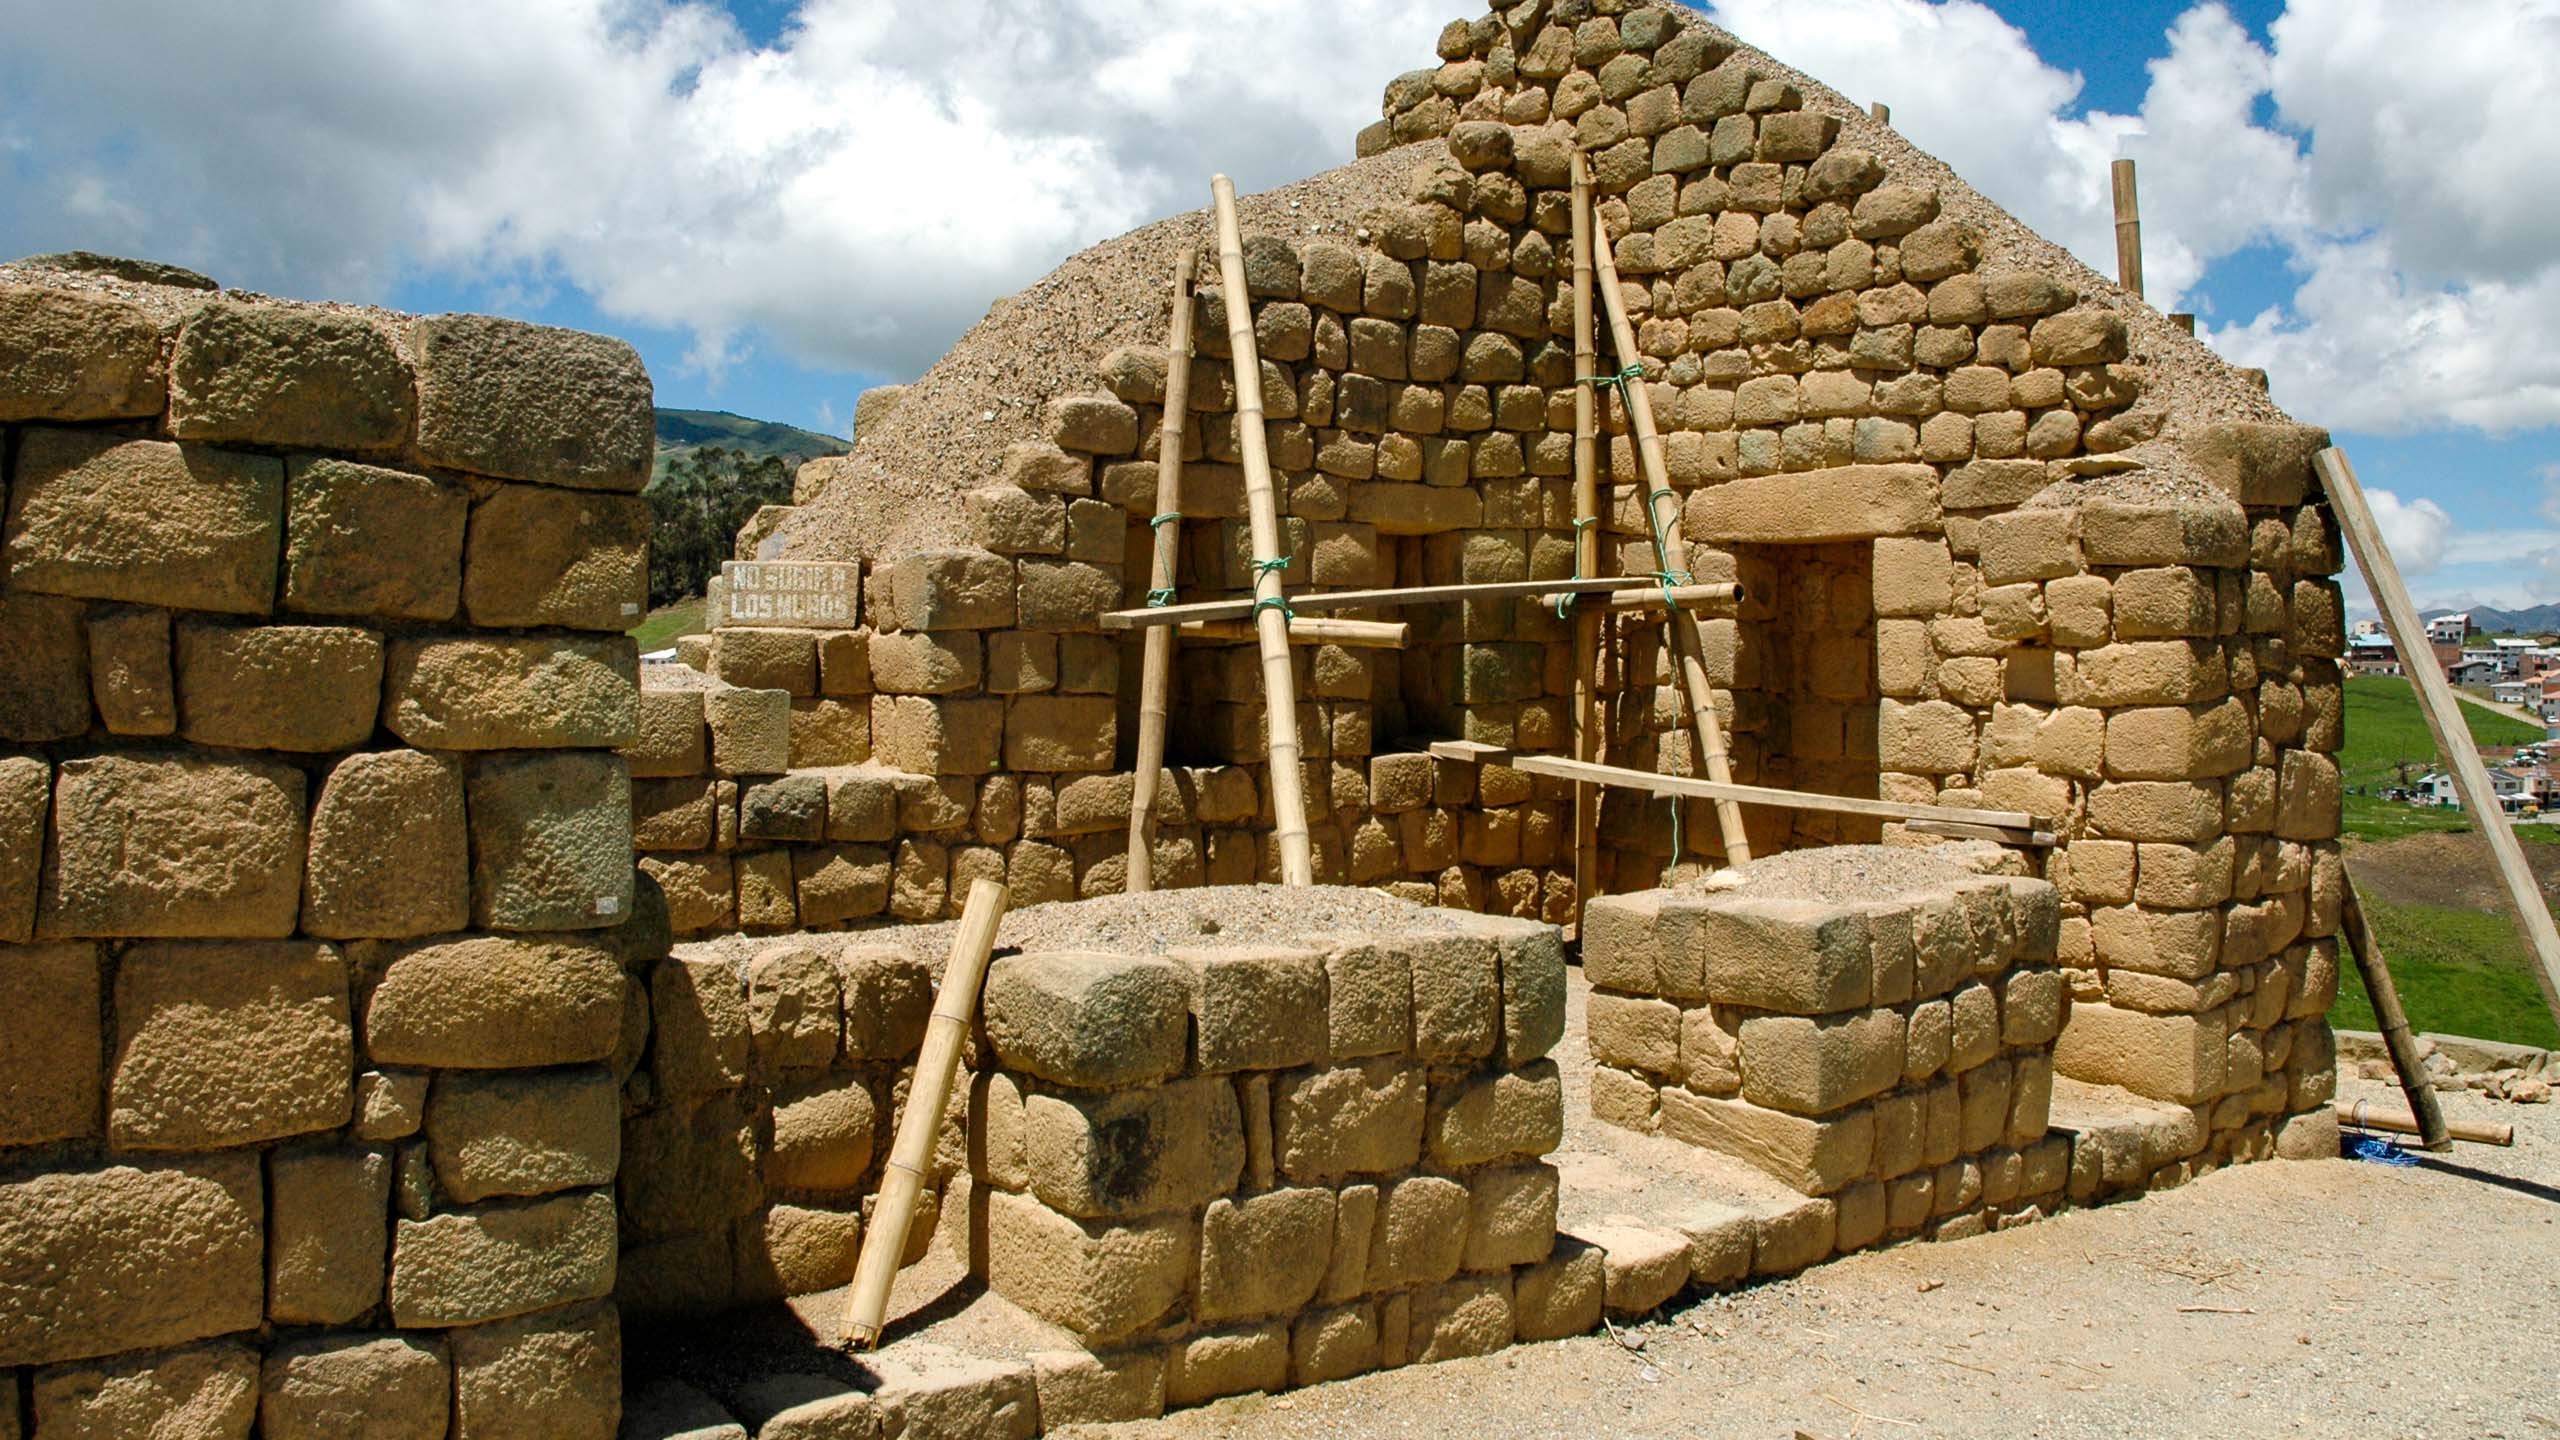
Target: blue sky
[[783, 202]]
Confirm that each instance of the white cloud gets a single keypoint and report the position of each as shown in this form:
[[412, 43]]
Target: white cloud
[[857, 192], [2417, 532]]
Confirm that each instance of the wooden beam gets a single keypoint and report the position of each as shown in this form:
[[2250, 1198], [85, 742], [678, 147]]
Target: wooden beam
[[2444, 718], [2392, 1021], [1262, 516], [1373, 599], [1155, 683], [1306, 630], [2010, 823], [1688, 641]]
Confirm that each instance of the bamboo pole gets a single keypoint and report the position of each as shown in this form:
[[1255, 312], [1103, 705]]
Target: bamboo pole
[[1156, 676], [1308, 630], [884, 1240], [2393, 1021], [1586, 547], [2444, 719], [1279, 675], [1687, 643], [2363, 1116], [1882, 112], [1373, 599], [1655, 599], [2128, 227], [2185, 322]]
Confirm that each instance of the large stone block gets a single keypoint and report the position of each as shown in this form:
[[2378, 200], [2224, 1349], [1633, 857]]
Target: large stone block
[[226, 1044], [49, 1009], [936, 735], [1087, 1019], [1505, 1115], [1255, 1008], [1368, 1000], [144, 520], [1361, 1119], [689, 1168], [539, 556], [1263, 1254], [750, 730], [529, 402], [464, 1267], [1851, 502], [2166, 1057], [836, 883], [1817, 1157], [513, 692], [1421, 1234], [1135, 1152], [330, 1213], [824, 1132], [1061, 733], [278, 687], [130, 674], [67, 355], [1813, 1066], [557, 1376], [1800, 957], [551, 842], [206, 1390], [72, 1241], [389, 857], [1511, 1216], [384, 1387], [363, 540], [44, 669], [943, 590], [793, 1007], [523, 1133], [1457, 996], [698, 1020], [496, 1002], [670, 737], [1100, 1281], [289, 376]]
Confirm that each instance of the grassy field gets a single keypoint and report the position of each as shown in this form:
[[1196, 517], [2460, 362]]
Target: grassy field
[[682, 618], [2460, 971]]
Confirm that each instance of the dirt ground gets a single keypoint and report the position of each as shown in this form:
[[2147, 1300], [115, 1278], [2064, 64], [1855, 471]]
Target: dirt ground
[[2284, 1298], [2449, 870]]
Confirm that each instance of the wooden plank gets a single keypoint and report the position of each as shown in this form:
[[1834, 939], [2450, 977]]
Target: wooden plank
[[2393, 1022], [1262, 516], [1477, 753], [1155, 683], [1306, 630], [2444, 718], [1688, 642], [1372, 599]]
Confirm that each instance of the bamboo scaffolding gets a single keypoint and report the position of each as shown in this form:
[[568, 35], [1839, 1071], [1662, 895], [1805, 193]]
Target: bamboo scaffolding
[[2128, 226], [1306, 630], [2392, 1021], [2014, 827], [884, 1240], [2363, 1116], [2444, 719], [1586, 548], [1375, 599], [1687, 644], [1279, 675], [1156, 676]]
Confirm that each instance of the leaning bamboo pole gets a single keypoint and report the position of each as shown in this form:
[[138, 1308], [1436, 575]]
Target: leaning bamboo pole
[[1270, 613], [1687, 644], [2392, 1020], [1156, 674], [884, 1241], [1586, 549]]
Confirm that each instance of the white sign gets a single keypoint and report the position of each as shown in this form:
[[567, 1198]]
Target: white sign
[[809, 595]]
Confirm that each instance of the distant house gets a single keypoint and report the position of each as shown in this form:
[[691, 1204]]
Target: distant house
[[2372, 654], [2513, 787], [2471, 672], [2516, 692], [2368, 627], [2449, 629]]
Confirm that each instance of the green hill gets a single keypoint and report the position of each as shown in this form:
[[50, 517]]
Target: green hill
[[683, 430]]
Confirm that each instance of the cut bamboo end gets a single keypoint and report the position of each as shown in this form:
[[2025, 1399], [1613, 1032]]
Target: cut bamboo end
[[884, 1240]]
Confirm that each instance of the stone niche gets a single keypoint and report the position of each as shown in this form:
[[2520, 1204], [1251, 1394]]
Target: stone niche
[[1867, 1024]]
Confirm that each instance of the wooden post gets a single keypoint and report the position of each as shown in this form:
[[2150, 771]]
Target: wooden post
[[2185, 322], [1156, 677], [1279, 676], [884, 1240], [2444, 718], [2128, 228], [2393, 1021], [1687, 644], [1882, 112], [1586, 548]]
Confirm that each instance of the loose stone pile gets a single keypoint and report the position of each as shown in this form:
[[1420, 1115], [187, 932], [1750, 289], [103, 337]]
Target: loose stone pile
[[1894, 1053], [315, 884]]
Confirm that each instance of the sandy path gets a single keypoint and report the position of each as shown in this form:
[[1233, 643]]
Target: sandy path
[[2379, 1301]]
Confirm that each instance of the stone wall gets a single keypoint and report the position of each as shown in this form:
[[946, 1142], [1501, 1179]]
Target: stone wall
[[316, 899], [1893, 1051], [2009, 541]]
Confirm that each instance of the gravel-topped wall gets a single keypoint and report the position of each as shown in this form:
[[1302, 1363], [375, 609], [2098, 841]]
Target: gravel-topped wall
[[316, 897]]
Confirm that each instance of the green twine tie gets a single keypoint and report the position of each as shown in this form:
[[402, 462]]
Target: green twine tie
[[1571, 598], [1276, 602], [1158, 599]]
